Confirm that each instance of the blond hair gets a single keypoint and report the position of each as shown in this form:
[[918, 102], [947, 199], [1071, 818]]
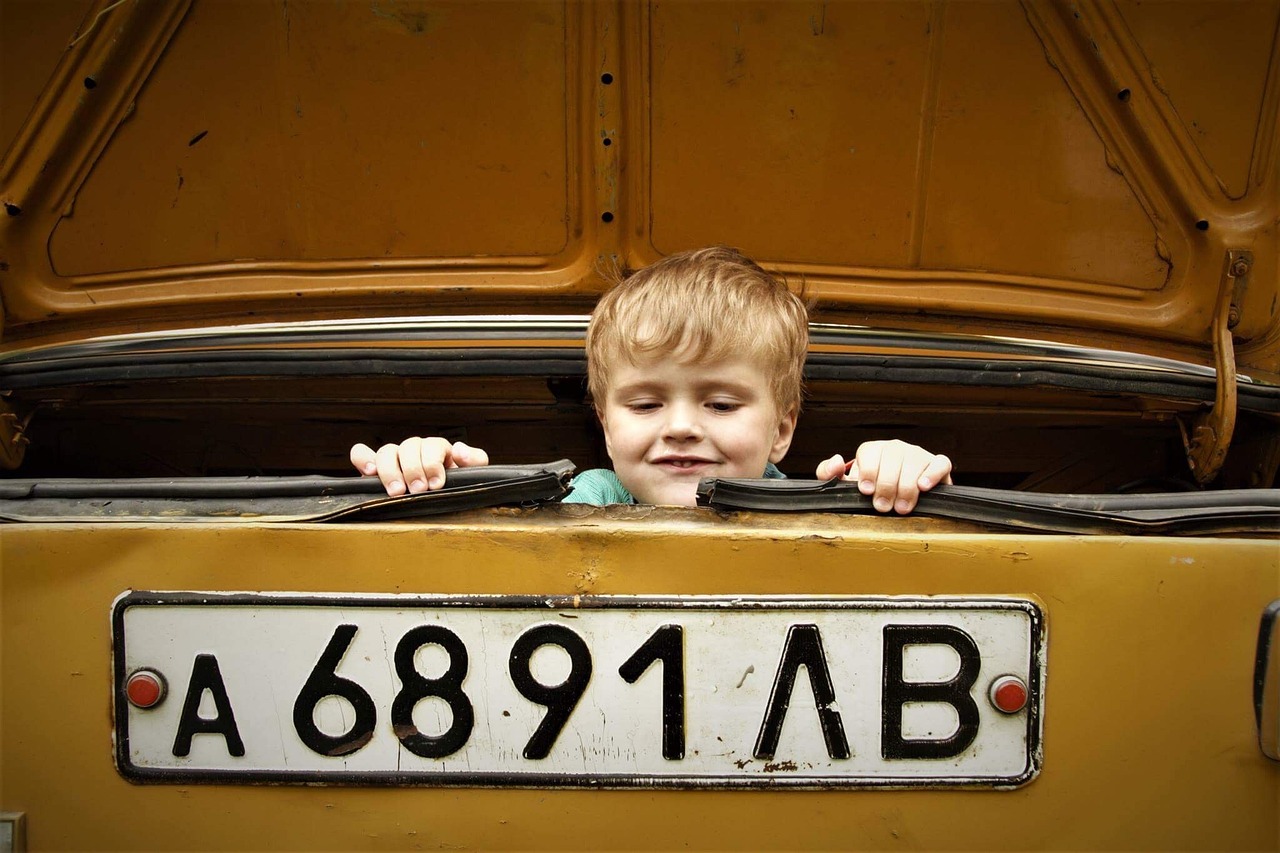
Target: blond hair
[[703, 306]]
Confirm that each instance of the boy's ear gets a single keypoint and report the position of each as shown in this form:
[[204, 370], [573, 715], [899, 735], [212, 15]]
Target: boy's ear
[[604, 428], [786, 431]]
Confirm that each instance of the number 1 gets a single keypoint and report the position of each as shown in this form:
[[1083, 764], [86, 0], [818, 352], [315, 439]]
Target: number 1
[[665, 645]]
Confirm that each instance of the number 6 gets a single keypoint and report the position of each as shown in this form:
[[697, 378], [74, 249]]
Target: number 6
[[325, 681]]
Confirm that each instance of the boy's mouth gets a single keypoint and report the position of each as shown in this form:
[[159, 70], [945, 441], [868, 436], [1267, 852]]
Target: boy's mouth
[[682, 463]]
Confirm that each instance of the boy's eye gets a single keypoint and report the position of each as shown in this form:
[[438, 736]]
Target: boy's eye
[[642, 407], [724, 406]]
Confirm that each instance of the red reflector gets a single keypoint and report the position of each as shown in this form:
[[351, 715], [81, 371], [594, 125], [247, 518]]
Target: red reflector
[[1009, 694], [145, 688]]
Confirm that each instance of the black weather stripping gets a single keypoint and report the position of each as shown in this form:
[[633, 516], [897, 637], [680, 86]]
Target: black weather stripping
[[276, 498], [1227, 511]]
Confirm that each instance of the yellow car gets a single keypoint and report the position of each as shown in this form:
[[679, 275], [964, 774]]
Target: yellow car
[[1040, 238]]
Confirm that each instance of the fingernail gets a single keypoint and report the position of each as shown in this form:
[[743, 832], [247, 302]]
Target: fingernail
[[882, 504], [902, 507], [436, 482], [866, 487], [395, 487], [370, 468], [417, 486]]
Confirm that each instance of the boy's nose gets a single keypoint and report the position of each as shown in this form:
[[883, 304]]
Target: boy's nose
[[682, 423]]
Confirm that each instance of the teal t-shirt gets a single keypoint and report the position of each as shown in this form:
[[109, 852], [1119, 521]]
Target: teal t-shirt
[[601, 487]]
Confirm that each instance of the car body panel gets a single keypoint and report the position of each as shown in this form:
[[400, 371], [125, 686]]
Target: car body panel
[[1149, 736], [238, 181], [239, 237]]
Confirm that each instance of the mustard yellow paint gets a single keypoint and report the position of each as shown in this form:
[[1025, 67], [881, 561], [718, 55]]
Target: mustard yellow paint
[[1149, 738], [1083, 166]]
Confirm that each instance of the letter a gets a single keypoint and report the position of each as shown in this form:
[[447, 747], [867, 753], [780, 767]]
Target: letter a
[[205, 675]]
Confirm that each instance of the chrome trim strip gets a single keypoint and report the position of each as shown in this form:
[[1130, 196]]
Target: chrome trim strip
[[573, 326], [1266, 686]]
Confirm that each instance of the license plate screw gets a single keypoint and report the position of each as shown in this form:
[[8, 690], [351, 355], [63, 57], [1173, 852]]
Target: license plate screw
[[145, 688], [1008, 694]]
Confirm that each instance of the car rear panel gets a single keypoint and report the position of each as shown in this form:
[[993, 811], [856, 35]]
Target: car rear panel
[[1150, 740]]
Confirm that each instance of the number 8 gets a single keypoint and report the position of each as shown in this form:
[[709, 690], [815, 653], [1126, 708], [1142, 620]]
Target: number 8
[[418, 687]]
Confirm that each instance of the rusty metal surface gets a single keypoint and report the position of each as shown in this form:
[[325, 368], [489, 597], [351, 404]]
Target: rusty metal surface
[[937, 165]]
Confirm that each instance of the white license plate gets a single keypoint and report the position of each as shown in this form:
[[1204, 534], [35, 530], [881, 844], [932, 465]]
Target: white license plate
[[600, 691]]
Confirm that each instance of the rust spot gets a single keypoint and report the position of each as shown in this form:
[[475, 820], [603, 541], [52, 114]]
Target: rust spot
[[350, 746], [780, 765], [742, 762], [404, 731]]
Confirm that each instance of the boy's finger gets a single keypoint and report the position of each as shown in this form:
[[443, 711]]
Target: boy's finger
[[388, 462], [937, 471], [887, 477], [434, 454], [364, 459], [465, 456], [908, 495], [867, 464], [830, 468], [411, 465]]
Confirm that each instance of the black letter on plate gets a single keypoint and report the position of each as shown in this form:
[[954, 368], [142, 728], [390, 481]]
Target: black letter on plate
[[954, 692], [325, 681], [205, 675], [666, 645], [418, 687], [560, 699], [803, 648]]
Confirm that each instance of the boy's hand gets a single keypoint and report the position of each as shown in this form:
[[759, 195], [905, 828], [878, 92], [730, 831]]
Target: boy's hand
[[420, 462], [893, 471]]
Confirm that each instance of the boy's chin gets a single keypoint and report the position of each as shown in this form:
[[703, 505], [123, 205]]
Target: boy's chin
[[672, 494]]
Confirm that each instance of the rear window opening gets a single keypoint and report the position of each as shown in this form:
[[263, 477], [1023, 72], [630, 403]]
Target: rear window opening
[[1024, 439]]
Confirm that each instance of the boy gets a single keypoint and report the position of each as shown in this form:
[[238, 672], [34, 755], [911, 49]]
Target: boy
[[694, 364]]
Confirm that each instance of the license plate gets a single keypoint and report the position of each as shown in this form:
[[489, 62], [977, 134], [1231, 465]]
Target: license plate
[[598, 691]]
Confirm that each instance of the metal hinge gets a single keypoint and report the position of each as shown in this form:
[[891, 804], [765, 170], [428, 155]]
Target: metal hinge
[[13, 436], [1209, 435]]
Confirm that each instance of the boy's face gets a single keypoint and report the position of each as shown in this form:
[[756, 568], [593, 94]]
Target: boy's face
[[667, 424]]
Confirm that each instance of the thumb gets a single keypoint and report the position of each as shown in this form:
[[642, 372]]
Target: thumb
[[830, 468]]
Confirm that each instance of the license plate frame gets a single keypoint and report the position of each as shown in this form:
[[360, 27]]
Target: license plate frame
[[570, 610]]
